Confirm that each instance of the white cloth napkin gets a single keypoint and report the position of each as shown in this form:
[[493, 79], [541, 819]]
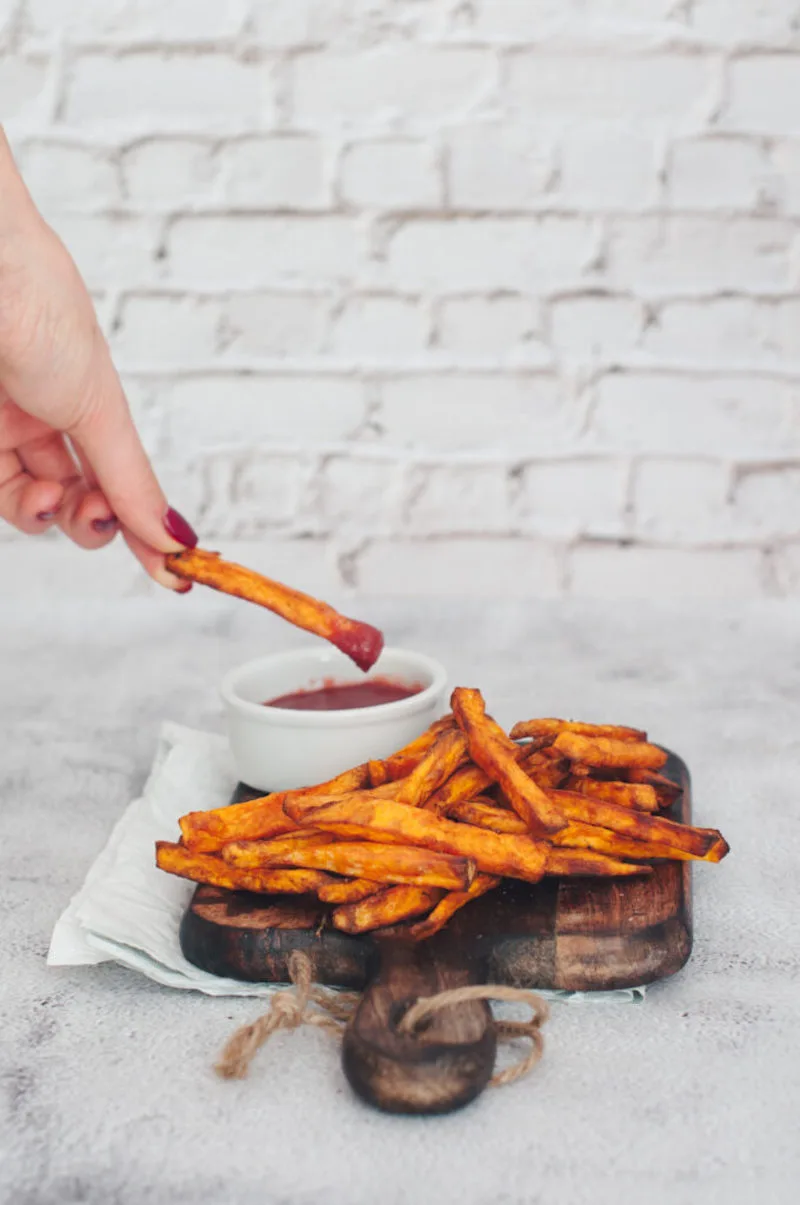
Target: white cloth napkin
[[128, 911]]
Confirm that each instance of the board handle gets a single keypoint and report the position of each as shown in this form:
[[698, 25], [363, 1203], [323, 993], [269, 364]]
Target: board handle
[[441, 1065]]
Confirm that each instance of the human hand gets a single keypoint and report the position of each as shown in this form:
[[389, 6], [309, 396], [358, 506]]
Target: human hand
[[70, 455]]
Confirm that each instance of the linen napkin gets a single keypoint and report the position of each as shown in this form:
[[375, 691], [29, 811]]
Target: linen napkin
[[128, 911]]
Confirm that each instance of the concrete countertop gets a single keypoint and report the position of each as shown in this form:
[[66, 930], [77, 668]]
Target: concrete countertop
[[106, 1089]]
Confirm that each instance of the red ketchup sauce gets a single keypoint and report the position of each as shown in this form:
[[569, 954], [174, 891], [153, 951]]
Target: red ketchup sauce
[[346, 696]]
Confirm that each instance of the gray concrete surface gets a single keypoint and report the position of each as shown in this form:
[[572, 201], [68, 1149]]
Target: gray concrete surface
[[106, 1091]]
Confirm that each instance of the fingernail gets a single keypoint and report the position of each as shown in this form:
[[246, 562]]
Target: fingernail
[[44, 516], [184, 589], [103, 525], [179, 529]]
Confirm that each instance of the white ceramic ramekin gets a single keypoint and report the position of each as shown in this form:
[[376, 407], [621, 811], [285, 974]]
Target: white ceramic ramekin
[[276, 749]]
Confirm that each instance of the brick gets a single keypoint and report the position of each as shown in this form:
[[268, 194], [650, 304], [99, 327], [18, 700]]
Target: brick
[[249, 251], [518, 21], [557, 87], [496, 166], [682, 501], [390, 175], [63, 178], [453, 498], [785, 159], [169, 173], [492, 254], [392, 82], [164, 330], [142, 90], [608, 169], [455, 567], [266, 492], [721, 173], [725, 331], [595, 327], [603, 571], [474, 413], [569, 498], [663, 414], [379, 328], [273, 324], [505, 325], [127, 21], [360, 495], [24, 91], [109, 250], [282, 172], [786, 569], [209, 412], [285, 23], [658, 256], [763, 94], [766, 502], [772, 23]]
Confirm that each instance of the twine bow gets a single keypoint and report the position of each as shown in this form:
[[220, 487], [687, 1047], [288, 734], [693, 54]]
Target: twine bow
[[306, 1004]]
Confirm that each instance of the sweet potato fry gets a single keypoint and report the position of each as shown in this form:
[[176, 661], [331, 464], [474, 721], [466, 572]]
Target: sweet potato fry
[[207, 868], [626, 794], [547, 772], [466, 783], [576, 835], [378, 773], [281, 849], [603, 751], [359, 641], [486, 815], [374, 820], [665, 789], [495, 753], [447, 907], [207, 832], [443, 758], [381, 862], [554, 728], [587, 863], [401, 763], [387, 907], [348, 891], [705, 843]]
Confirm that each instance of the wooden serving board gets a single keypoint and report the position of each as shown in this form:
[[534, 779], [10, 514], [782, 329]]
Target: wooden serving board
[[574, 934]]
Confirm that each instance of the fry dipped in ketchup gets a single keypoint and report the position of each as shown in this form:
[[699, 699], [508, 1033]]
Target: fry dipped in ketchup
[[359, 641]]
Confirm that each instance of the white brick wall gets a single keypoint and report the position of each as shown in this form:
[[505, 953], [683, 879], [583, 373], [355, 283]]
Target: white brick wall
[[426, 296]]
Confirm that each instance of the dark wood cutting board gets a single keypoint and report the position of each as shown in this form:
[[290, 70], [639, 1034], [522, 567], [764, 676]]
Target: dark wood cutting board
[[574, 934]]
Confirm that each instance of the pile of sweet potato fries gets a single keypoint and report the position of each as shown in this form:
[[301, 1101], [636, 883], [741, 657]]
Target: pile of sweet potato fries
[[410, 839]]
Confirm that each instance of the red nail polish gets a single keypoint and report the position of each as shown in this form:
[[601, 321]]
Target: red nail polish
[[184, 589], [44, 516], [101, 526], [179, 529]]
